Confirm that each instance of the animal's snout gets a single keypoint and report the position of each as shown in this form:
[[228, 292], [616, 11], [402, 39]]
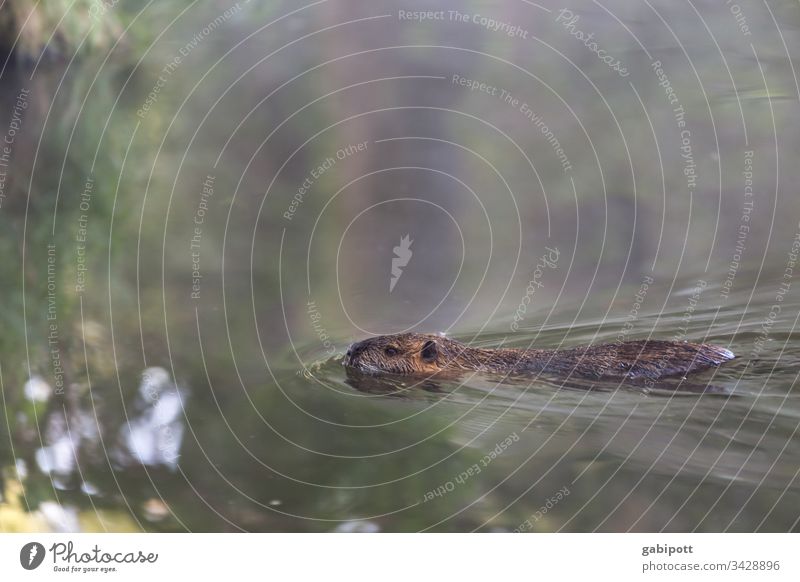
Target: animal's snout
[[353, 351]]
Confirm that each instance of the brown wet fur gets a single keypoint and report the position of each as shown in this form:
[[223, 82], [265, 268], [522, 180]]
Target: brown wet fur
[[427, 354]]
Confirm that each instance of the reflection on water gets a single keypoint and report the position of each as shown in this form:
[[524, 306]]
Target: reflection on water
[[628, 458], [180, 285], [59, 458], [153, 435]]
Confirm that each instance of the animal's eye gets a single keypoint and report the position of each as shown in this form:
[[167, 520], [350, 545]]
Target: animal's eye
[[390, 351]]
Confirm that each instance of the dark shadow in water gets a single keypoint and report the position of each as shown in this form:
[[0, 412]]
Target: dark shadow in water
[[403, 386], [390, 384]]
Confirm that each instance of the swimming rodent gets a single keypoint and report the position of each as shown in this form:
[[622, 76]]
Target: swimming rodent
[[428, 354]]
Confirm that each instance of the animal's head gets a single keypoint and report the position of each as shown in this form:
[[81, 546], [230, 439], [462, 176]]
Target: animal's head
[[403, 353]]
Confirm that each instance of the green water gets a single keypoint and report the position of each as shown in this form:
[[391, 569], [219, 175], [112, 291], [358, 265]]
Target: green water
[[186, 261]]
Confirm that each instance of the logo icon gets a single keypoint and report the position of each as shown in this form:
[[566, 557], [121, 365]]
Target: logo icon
[[402, 256], [31, 555]]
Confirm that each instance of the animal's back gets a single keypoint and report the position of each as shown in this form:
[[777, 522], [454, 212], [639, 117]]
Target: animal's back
[[644, 359]]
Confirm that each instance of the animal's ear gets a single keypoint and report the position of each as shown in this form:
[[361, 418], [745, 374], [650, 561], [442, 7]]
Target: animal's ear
[[429, 351]]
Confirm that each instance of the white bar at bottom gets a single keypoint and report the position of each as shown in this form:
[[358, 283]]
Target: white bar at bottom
[[388, 557]]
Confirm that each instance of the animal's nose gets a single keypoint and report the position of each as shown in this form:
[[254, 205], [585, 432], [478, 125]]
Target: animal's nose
[[353, 350]]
